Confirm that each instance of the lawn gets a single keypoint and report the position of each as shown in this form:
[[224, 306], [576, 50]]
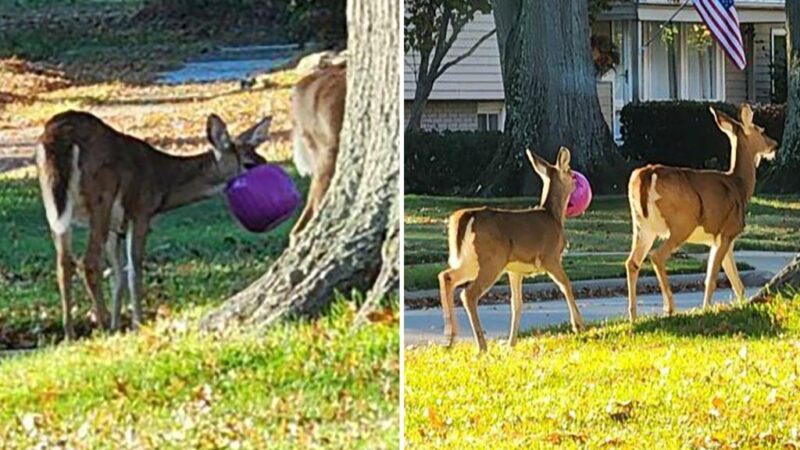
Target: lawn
[[300, 385], [773, 223], [721, 379], [85, 37], [197, 255]]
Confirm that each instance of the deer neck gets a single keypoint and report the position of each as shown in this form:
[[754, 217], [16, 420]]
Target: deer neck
[[191, 179], [743, 170], [554, 200]]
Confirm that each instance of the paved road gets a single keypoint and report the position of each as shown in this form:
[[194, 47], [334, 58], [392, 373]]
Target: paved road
[[426, 326]]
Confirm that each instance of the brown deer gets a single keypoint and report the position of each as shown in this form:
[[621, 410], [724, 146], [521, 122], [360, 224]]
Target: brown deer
[[115, 184], [317, 112], [698, 206], [485, 242]]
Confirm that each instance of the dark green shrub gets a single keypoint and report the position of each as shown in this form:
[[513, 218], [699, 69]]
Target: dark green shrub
[[442, 163], [683, 133]]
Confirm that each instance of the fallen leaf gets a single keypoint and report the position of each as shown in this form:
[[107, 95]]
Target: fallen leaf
[[385, 316]]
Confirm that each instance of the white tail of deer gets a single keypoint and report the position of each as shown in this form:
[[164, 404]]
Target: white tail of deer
[[91, 174], [317, 112], [485, 242], [699, 206]]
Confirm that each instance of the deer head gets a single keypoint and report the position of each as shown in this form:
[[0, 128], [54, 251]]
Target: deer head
[[557, 181], [236, 155], [746, 136]]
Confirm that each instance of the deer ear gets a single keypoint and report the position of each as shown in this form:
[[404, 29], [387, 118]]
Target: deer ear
[[539, 165], [563, 158], [746, 114], [257, 134], [724, 121], [218, 135]]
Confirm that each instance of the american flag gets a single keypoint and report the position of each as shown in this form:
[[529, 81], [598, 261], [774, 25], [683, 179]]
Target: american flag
[[723, 22]]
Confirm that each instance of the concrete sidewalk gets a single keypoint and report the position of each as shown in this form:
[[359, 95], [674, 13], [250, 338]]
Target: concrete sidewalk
[[423, 326], [426, 326]]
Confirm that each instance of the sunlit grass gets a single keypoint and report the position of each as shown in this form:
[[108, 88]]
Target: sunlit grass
[[723, 379], [320, 383]]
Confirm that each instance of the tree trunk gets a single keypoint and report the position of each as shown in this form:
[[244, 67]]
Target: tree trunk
[[421, 94], [789, 155], [550, 93], [786, 279], [355, 236], [788, 159]]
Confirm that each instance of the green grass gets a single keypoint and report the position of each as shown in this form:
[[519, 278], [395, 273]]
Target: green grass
[[721, 379], [84, 37], [197, 255], [300, 385], [424, 276], [773, 223]]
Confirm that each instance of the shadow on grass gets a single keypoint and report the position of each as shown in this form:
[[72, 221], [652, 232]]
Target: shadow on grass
[[751, 320]]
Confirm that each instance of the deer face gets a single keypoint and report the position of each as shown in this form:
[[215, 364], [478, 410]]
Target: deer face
[[236, 155], [557, 178], [747, 134]]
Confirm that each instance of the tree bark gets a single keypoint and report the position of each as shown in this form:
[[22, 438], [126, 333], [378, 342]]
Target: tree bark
[[550, 93], [355, 236], [789, 155], [788, 159], [786, 279]]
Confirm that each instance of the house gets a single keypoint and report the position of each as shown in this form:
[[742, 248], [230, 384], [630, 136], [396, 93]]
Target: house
[[469, 96]]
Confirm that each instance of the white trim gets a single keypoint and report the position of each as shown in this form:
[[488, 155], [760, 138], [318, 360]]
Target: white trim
[[662, 13]]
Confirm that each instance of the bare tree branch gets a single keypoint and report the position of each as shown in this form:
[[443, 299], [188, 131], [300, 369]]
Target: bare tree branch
[[466, 55]]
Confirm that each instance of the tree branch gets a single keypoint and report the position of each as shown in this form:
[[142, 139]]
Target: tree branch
[[466, 54]]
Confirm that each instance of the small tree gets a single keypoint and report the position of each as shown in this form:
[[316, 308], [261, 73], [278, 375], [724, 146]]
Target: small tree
[[431, 29]]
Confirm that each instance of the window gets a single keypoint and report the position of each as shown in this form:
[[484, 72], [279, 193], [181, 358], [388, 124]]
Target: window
[[662, 58], [778, 71], [682, 62], [488, 122]]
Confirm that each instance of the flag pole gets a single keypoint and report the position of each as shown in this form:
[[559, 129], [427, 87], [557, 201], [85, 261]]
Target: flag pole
[[661, 27]]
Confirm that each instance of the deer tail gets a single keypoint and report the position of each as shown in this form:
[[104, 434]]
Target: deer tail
[[57, 162], [459, 224]]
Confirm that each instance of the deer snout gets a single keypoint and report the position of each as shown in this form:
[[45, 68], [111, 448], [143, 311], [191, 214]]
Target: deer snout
[[253, 161]]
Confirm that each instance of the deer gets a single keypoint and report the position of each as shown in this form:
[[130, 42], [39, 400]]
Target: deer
[[115, 184], [706, 207], [486, 242], [317, 113]]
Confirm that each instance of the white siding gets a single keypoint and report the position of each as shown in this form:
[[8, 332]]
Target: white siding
[[475, 78], [447, 115]]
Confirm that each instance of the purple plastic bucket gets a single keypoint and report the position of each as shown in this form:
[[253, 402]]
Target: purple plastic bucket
[[581, 197], [262, 198]]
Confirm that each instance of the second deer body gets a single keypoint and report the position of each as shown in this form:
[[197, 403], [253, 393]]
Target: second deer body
[[699, 206], [317, 113], [486, 242]]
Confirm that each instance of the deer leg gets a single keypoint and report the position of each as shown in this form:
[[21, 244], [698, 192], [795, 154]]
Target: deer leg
[[65, 268], [93, 261], [135, 242], [715, 257], [659, 259], [642, 242], [729, 264], [487, 276], [118, 282], [316, 192], [559, 277], [449, 279], [515, 282]]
